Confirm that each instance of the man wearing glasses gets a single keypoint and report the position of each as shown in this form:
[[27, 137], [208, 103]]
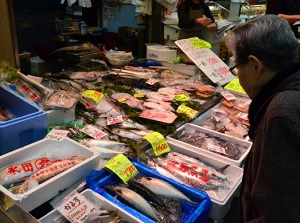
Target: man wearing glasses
[[265, 50]]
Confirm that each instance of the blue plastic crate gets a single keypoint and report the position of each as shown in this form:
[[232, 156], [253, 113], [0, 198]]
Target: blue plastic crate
[[191, 213], [27, 124]]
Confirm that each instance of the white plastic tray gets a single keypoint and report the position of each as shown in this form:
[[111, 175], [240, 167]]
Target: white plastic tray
[[52, 187], [227, 160], [220, 205], [99, 201]]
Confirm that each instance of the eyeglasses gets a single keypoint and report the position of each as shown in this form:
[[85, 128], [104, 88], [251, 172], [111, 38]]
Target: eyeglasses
[[233, 67]]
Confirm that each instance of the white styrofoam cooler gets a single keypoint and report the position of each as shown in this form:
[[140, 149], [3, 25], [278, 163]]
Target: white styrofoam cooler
[[52, 187], [220, 205], [160, 53], [230, 139], [99, 202]]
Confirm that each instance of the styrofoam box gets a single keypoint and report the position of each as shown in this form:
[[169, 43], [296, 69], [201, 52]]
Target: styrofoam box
[[27, 124], [160, 53], [52, 187], [60, 115], [99, 202], [221, 205], [187, 69], [239, 162]]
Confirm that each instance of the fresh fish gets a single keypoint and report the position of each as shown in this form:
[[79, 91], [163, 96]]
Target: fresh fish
[[154, 106], [129, 100], [88, 46], [134, 200], [18, 172], [145, 192], [87, 76], [162, 188], [198, 166], [125, 133], [126, 124], [105, 152], [158, 96], [165, 105], [46, 173], [101, 143], [191, 177]]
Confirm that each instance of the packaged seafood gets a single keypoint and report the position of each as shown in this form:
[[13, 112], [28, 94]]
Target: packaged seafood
[[52, 149], [220, 203], [27, 123], [229, 121], [97, 200], [217, 145], [197, 211]]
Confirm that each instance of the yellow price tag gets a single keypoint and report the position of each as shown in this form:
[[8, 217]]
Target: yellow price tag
[[235, 86], [138, 95], [158, 143], [121, 166], [181, 97], [191, 113], [122, 100], [93, 95], [199, 43]]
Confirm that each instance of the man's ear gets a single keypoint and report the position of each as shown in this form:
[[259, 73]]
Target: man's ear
[[256, 65]]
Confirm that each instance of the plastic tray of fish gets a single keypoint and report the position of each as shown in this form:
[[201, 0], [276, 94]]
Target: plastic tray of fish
[[220, 201], [51, 149], [217, 145], [177, 211], [217, 119], [99, 202]]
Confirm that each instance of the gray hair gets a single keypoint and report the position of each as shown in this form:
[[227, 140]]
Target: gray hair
[[267, 37]]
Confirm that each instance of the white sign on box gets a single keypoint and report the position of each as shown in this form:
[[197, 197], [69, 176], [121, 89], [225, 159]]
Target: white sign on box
[[214, 68]]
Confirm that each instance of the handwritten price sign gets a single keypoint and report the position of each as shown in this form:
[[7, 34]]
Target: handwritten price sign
[[158, 143], [122, 167], [77, 208], [191, 113], [181, 97], [57, 134], [151, 81], [114, 120], [93, 132], [228, 96], [93, 95]]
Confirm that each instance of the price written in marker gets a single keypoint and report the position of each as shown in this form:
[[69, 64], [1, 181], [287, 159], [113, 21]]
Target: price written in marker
[[93, 95], [158, 143], [228, 96], [57, 134], [115, 120], [122, 167], [151, 81], [181, 97], [93, 132], [191, 113], [76, 208]]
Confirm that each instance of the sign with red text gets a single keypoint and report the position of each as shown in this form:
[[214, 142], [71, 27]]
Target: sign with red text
[[213, 67], [57, 134]]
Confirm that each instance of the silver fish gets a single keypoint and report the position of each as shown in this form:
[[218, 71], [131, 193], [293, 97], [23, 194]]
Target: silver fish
[[162, 188], [134, 200], [125, 134], [101, 143], [106, 152]]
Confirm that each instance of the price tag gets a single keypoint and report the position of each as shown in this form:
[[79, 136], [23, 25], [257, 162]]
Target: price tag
[[93, 132], [151, 81], [57, 134], [138, 95], [215, 148], [114, 120], [93, 95], [228, 96], [121, 166], [76, 209], [242, 115], [181, 97], [122, 100], [158, 143], [191, 113], [199, 43], [235, 86]]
